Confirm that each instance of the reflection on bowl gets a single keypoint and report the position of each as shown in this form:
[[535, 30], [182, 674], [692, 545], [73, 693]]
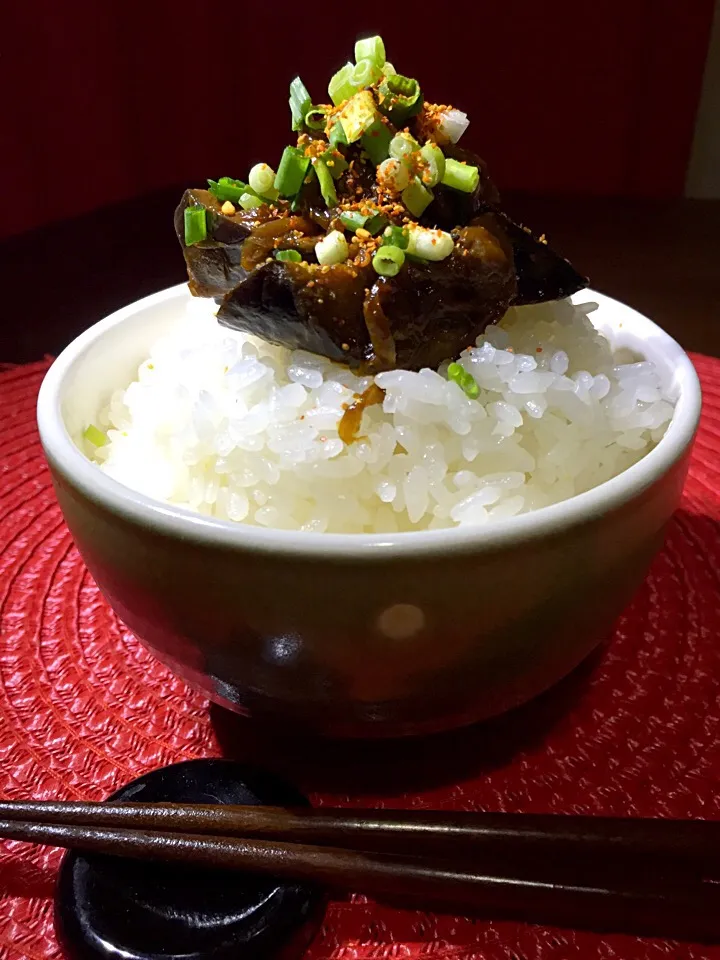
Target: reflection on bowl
[[360, 634]]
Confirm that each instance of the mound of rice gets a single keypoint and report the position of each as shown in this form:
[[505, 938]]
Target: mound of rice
[[232, 427]]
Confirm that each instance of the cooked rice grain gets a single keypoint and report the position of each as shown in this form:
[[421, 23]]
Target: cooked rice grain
[[235, 428]]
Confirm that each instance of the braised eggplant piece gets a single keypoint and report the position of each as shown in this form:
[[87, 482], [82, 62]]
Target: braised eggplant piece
[[452, 208], [378, 243], [292, 305], [213, 265], [418, 318], [542, 274]]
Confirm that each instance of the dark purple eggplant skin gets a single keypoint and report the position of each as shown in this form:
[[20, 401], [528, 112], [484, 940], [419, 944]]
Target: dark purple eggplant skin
[[542, 274], [432, 311], [214, 265], [453, 208], [277, 304]]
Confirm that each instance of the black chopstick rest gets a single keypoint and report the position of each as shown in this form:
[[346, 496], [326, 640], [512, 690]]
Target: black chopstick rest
[[111, 907]]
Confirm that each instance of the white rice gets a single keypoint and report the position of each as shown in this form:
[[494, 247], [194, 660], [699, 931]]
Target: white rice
[[232, 427]]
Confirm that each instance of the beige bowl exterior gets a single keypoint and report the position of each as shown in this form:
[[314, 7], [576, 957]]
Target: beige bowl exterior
[[360, 635]]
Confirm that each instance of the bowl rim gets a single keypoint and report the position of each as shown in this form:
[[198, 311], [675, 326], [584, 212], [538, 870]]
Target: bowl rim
[[183, 523]]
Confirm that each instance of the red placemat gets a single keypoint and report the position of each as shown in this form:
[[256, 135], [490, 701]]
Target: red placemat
[[84, 708]]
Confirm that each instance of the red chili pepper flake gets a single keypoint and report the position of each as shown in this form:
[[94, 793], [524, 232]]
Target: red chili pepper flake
[[538, 349]]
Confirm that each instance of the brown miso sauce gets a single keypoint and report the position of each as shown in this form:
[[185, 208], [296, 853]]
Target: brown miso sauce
[[352, 418]]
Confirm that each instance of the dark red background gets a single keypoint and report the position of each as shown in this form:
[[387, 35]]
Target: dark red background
[[109, 100]]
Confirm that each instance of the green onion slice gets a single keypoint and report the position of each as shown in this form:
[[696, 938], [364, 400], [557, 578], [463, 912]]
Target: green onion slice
[[416, 197], [249, 201], [341, 87], [388, 261], [402, 145], [464, 380], [375, 224], [291, 172], [435, 160], [461, 176], [95, 436], [316, 118], [354, 220], [288, 256], [227, 189], [335, 162], [337, 134], [327, 186], [195, 224], [370, 48], [395, 236], [376, 141], [364, 74], [358, 115], [300, 103], [399, 98]]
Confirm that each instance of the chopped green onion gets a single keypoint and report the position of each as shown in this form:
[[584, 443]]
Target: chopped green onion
[[354, 220], [327, 187], [393, 175], [399, 98], [395, 237], [262, 181], [376, 141], [227, 189], [375, 224], [416, 197], [195, 224], [249, 201], [332, 249], [388, 261], [388, 70], [335, 162], [340, 87], [464, 380], [435, 159], [300, 103], [402, 145], [413, 258], [451, 124], [429, 244], [455, 373], [337, 134], [471, 387], [288, 256], [291, 172], [95, 436], [358, 115], [461, 176], [370, 48], [364, 74], [316, 118]]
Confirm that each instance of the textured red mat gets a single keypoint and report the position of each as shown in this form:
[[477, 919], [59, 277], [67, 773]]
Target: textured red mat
[[83, 708]]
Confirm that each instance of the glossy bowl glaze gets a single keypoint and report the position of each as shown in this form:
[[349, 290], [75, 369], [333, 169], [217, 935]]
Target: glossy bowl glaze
[[360, 634]]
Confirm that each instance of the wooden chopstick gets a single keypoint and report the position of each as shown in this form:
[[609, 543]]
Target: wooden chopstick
[[653, 906], [693, 844]]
